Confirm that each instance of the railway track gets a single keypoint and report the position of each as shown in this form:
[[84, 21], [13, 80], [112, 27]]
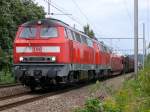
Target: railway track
[[12, 90], [9, 85], [24, 98], [13, 96]]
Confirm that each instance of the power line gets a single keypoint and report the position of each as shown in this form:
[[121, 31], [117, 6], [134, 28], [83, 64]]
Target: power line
[[65, 11], [80, 10], [49, 8], [60, 10], [84, 15], [127, 10], [118, 38], [73, 18], [127, 49]]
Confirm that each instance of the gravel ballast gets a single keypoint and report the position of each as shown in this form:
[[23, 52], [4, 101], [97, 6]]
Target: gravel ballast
[[66, 102], [12, 91]]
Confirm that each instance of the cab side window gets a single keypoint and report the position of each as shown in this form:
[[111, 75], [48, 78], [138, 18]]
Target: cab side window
[[78, 37], [100, 47], [103, 48], [65, 33], [73, 35], [89, 42], [84, 39], [70, 36]]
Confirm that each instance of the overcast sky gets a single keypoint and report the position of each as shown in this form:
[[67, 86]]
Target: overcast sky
[[108, 18]]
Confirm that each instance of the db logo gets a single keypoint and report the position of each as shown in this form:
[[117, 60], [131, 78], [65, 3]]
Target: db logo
[[37, 49]]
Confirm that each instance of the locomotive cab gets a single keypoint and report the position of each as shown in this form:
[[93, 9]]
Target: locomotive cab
[[41, 52]]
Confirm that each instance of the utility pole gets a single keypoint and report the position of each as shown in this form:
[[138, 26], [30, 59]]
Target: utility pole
[[49, 12], [136, 37], [49, 7], [144, 45]]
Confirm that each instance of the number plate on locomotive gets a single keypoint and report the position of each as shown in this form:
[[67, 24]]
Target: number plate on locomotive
[[36, 49]]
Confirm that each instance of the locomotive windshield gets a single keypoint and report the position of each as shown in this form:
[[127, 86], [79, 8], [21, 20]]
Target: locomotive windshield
[[28, 32], [48, 32]]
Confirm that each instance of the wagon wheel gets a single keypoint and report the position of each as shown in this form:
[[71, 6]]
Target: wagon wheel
[[32, 88], [71, 77], [91, 75], [74, 77]]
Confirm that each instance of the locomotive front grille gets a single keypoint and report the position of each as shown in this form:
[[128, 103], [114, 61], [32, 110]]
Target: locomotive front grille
[[38, 59]]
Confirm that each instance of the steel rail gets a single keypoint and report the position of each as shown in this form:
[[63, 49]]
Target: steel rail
[[9, 85]]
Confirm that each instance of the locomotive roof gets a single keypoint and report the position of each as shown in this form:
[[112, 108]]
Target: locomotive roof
[[54, 22], [50, 22], [46, 22]]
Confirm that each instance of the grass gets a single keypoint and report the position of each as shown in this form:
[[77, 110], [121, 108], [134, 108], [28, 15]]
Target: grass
[[6, 78], [134, 96]]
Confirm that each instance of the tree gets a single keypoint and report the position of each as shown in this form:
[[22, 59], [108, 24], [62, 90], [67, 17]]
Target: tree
[[12, 14], [88, 31]]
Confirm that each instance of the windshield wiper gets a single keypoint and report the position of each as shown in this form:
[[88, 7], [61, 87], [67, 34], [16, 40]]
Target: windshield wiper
[[47, 29], [30, 30]]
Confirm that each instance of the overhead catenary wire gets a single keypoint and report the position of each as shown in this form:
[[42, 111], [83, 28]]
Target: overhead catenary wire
[[58, 6], [85, 16], [117, 38], [82, 13], [127, 10], [60, 10]]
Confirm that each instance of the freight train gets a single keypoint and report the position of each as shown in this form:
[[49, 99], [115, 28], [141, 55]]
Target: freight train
[[49, 51]]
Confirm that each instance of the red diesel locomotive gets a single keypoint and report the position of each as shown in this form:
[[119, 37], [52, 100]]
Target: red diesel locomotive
[[49, 51]]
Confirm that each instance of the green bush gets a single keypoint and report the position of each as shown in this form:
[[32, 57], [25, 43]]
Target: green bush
[[110, 106], [95, 105], [6, 78], [91, 105], [134, 96]]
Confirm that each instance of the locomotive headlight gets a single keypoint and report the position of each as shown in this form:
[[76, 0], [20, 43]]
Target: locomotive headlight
[[39, 22], [21, 59], [53, 58]]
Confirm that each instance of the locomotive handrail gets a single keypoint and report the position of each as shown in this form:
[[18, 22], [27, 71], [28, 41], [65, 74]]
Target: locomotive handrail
[[41, 64]]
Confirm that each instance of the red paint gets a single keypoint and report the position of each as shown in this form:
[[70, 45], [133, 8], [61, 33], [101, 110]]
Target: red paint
[[71, 51]]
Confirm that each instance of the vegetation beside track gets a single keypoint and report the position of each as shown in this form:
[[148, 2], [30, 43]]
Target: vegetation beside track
[[134, 96], [12, 14], [6, 78]]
